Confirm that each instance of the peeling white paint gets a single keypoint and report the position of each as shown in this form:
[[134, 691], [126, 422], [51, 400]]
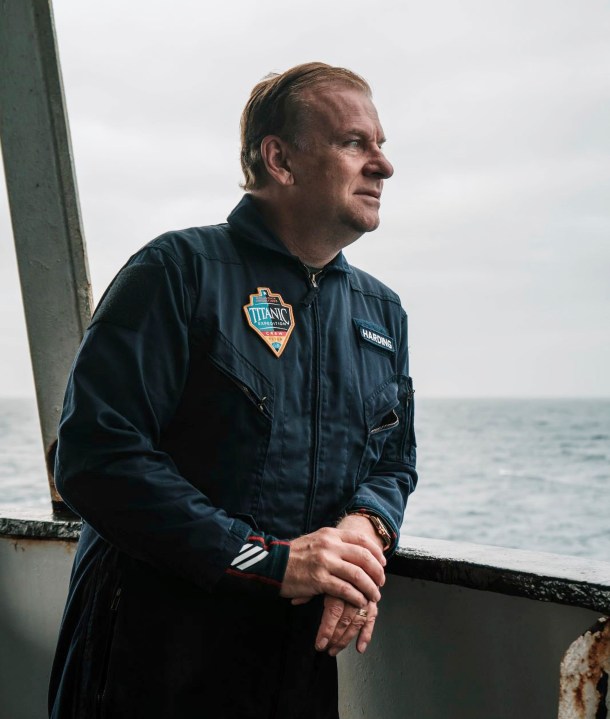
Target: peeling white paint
[[584, 675]]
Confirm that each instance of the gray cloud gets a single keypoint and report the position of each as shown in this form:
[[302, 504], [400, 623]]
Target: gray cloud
[[496, 224]]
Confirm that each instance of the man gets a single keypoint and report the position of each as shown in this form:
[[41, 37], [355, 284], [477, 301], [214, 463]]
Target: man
[[237, 435]]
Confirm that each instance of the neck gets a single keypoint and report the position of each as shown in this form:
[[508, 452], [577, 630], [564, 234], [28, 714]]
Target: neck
[[315, 246]]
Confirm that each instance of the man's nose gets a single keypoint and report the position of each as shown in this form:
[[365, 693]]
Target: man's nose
[[380, 165]]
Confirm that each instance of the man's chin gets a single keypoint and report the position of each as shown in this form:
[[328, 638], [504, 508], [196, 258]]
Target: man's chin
[[367, 224], [357, 224]]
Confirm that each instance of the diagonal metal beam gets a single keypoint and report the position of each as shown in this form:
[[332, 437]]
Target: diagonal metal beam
[[43, 198]]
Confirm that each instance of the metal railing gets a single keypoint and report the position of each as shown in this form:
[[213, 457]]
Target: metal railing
[[44, 205]]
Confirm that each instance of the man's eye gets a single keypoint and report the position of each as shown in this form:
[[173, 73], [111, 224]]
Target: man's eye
[[353, 143]]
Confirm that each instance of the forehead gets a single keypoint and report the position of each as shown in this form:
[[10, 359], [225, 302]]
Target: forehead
[[341, 108]]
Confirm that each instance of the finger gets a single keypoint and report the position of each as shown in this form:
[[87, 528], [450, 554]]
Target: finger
[[297, 601], [345, 591], [344, 624], [352, 537], [357, 624], [333, 611], [356, 576], [366, 633], [361, 557]]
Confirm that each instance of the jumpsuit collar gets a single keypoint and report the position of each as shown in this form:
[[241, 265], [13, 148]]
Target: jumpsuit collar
[[247, 221]]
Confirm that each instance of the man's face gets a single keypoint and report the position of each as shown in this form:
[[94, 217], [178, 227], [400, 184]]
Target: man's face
[[340, 170]]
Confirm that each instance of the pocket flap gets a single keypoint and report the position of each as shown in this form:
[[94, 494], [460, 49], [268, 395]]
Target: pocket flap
[[381, 402], [232, 363]]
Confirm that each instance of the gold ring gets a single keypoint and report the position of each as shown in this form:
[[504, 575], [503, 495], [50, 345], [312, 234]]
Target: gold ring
[[362, 613]]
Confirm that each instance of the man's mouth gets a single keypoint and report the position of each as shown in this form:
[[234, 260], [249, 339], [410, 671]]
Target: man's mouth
[[371, 193]]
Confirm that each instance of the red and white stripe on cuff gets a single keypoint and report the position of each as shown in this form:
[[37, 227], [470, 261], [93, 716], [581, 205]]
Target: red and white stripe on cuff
[[249, 555]]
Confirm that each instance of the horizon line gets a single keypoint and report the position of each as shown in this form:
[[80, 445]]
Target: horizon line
[[422, 395]]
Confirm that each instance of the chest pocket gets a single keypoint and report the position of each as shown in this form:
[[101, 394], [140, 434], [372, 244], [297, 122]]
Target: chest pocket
[[241, 417], [243, 375], [381, 415]]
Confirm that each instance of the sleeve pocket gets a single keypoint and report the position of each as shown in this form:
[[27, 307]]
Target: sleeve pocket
[[382, 418]]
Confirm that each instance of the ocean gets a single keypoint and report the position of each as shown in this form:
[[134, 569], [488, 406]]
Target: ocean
[[527, 473]]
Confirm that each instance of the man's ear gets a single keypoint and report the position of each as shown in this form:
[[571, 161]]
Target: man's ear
[[275, 153]]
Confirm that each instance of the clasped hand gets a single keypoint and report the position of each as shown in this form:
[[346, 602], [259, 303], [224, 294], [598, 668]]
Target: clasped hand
[[346, 564]]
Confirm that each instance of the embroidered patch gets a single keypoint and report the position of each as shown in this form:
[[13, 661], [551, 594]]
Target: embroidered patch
[[375, 335], [271, 318]]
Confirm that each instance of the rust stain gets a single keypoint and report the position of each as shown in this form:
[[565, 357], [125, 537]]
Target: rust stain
[[584, 675], [49, 455], [23, 544], [69, 547], [17, 545], [602, 690]]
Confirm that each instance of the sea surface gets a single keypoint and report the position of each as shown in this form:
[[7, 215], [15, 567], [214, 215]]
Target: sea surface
[[528, 473]]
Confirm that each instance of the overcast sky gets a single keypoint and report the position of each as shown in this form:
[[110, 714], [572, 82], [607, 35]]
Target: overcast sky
[[496, 225]]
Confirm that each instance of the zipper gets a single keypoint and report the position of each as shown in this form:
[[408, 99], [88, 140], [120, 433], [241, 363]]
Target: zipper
[[408, 417], [114, 607], [315, 287], [115, 600], [410, 394], [310, 299], [259, 402], [387, 425], [313, 278]]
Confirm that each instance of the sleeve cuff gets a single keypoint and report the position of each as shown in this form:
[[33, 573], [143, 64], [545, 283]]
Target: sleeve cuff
[[259, 565]]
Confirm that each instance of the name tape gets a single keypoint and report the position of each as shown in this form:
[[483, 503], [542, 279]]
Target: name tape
[[374, 335]]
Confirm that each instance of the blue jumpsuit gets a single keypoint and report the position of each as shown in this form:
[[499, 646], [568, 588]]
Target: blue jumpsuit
[[221, 390]]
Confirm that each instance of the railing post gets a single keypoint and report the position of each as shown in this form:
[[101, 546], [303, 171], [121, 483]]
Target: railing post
[[585, 668], [43, 198]]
